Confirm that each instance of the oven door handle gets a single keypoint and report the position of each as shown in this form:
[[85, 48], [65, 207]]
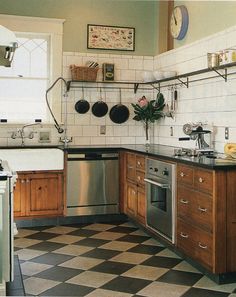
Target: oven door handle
[[150, 181]]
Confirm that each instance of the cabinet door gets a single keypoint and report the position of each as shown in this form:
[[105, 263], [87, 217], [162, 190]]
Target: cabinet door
[[131, 199], [20, 197], [45, 194], [141, 205], [130, 167]]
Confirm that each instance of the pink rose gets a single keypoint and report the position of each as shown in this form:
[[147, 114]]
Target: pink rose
[[143, 101]]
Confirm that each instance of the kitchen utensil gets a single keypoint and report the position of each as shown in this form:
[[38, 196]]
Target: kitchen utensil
[[82, 105], [100, 108], [213, 60], [119, 113]]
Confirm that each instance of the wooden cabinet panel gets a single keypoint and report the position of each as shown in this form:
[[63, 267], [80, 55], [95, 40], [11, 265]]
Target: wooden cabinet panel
[[185, 174], [140, 162], [130, 166], [134, 196], [39, 194], [141, 206], [20, 195], [140, 178], [195, 207], [196, 242], [203, 180], [131, 199]]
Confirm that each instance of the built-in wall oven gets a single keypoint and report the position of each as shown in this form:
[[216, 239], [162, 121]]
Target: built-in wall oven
[[160, 181]]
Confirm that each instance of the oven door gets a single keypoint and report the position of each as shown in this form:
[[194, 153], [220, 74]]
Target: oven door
[[160, 207]]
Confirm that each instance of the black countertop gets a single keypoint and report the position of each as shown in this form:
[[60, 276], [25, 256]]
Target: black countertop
[[163, 152], [159, 151]]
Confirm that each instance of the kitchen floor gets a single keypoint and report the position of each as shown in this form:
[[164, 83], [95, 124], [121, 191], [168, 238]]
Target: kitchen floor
[[106, 260]]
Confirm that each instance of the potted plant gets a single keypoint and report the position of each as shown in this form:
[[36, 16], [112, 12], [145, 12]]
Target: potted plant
[[149, 111]]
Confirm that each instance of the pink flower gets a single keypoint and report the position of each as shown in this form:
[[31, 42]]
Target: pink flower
[[143, 101]]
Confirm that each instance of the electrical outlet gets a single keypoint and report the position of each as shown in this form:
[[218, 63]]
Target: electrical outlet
[[44, 136], [171, 131], [103, 130], [226, 133]]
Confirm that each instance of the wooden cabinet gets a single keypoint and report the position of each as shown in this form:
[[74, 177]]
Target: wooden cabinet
[[38, 194], [201, 202], [134, 187]]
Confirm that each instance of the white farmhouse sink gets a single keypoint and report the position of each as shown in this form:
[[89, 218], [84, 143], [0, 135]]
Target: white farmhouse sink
[[33, 159]]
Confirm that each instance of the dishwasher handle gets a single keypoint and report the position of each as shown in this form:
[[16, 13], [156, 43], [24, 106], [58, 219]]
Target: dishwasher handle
[[92, 156]]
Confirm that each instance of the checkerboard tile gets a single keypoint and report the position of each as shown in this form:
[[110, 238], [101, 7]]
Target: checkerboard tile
[[107, 260]]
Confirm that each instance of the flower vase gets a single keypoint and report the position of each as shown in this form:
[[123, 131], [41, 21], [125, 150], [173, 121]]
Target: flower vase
[[147, 135]]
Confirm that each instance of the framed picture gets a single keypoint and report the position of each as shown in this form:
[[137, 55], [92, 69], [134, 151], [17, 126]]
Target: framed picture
[[110, 37]]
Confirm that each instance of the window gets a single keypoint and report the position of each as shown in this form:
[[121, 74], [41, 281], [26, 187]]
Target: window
[[23, 85], [36, 64]]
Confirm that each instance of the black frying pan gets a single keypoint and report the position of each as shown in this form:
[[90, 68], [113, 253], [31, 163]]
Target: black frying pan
[[100, 108], [82, 105], [119, 113]]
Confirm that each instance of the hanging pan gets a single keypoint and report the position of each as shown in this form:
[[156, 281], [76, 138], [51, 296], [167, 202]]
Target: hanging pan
[[82, 105], [100, 108], [119, 113]]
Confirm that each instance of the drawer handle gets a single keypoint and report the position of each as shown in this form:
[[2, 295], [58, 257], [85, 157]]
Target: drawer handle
[[182, 174], [202, 246], [183, 235], [201, 180], [139, 163], [22, 181], [138, 177], [130, 167], [202, 209], [184, 201]]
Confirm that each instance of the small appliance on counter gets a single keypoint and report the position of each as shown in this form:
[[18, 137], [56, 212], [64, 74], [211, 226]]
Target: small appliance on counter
[[195, 131]]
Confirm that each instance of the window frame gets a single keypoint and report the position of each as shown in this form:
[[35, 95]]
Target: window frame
[[54, 29]]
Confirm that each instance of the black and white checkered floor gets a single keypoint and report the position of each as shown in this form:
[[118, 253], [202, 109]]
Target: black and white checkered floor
[[107, 260]]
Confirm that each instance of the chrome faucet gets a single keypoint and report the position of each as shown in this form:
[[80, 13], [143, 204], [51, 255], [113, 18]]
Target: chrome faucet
[[20, 133]]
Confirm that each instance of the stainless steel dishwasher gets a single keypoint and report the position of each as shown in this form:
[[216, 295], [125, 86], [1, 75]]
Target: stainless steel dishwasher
[[92, 183]]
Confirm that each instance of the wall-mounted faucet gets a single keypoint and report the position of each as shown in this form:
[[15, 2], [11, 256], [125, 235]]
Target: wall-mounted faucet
[[20, 133]]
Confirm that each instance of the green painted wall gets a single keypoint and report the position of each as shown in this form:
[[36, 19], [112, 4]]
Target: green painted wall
[[206, 18], [78, 13]]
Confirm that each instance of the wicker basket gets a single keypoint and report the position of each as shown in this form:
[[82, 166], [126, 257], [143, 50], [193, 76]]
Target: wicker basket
[[83, 73]]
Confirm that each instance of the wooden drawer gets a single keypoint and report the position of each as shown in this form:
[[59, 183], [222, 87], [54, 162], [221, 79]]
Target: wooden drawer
[[195, 243], [203, 180], [130, 166], [140, 162], [185, 174], [140, 178], [195, 207]]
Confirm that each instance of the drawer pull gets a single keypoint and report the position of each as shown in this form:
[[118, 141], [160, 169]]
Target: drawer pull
[[202, 246], [130, 167], [201, 180], [202, 209], [22, 181], [182, 174], [183, 235], [139, 163], [138, 177], [184, 201]]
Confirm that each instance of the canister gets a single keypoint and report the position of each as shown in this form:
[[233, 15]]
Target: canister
[[212, 60]]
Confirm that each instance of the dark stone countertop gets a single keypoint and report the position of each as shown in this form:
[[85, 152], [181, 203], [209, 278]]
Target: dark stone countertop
[[157, 151], [160, 151]]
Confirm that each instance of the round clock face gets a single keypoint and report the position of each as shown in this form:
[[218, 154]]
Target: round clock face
[[179, 22]]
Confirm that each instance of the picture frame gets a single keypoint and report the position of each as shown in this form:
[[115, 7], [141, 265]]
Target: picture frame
[[110, 37]]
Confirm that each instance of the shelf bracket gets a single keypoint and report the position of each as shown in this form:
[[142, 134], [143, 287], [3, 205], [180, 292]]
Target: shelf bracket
[[157, 88], [224, 76], [136, 85], [186, 83]]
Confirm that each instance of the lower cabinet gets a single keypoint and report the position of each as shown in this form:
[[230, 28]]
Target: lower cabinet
[[136, 202], [38, 194]]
